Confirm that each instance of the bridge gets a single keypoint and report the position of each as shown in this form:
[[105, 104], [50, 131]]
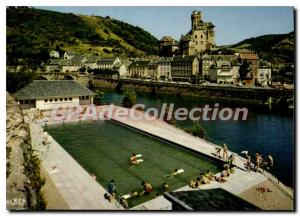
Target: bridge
[[83, 79]]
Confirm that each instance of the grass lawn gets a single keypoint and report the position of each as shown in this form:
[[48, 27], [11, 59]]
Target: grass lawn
[[104, 148]]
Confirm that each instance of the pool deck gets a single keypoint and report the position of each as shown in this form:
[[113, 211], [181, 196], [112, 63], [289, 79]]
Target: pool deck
[[72, 179], [76, 187]]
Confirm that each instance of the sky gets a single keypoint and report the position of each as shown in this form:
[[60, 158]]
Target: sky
[[233, 24]]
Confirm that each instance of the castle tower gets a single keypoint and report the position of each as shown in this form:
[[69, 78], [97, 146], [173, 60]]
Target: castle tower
[[196, 19]]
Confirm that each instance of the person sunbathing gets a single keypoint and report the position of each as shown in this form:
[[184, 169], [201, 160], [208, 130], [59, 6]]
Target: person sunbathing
[[203, 179], [209, 175], [147, 188], [223, 177], [134, 159], [195, 184]]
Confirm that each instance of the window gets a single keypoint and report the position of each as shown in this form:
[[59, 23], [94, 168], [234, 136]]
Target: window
[[61, 99], [195, 36], [51, 100], [201, 36], [46, 100], [87, 97], [56, 99], [66, 99], [70, 98]]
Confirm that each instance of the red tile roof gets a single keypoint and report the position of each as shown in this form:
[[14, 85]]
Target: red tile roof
[[249, 56]]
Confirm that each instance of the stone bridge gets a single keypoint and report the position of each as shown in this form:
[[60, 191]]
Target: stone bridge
[[83, 79]]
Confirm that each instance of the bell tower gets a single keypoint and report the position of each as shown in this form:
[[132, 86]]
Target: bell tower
[[196, 19]]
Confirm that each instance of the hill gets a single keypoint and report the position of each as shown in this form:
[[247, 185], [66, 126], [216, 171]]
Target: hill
[[31, 33], [277, 48]]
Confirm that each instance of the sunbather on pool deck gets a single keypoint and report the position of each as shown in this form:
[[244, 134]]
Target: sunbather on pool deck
[[195, 184], [147, 188], [134, 159], [209, 175], [204, 179], [225, 152]]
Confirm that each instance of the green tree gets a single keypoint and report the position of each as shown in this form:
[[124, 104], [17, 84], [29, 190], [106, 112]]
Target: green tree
[[129, 98], [244, 70], [196, 130], [99, 98]]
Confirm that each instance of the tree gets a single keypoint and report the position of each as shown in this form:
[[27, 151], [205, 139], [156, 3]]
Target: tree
[[129, 98], [99, 98], [82, 69], [196, 130], [244, 70]]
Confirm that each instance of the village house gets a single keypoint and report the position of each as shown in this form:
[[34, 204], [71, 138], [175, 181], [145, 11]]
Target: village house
[[54, 54], [185, 68], [264, 76], [69, 55], [138, 69], [251, 60], [220, 72], [152, 70], [109, 63], [46, 95], [168, 47], [164, 68], [209, 60], [92, 62]]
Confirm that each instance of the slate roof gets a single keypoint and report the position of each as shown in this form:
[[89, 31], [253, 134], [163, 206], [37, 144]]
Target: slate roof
[[184, 58], [78, 59], [139, 64], [221, 64], [107, 60], [40, 89]]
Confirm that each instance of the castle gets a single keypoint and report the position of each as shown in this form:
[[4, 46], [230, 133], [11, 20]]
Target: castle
[[200, 38]]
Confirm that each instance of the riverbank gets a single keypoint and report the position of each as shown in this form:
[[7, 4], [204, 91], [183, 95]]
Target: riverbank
[[248, 95]]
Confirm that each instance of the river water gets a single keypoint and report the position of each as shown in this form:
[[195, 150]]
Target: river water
[[267, 130]]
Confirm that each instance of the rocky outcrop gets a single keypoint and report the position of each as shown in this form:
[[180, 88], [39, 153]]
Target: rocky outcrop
[[23, 180]]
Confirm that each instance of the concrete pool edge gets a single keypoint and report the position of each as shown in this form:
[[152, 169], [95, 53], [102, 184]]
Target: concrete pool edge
[[74, 184]]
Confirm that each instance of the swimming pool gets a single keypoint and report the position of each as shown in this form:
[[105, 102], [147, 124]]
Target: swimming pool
[[104, 148]]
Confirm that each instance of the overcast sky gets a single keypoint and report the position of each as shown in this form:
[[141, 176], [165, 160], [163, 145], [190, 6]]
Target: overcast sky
[[233, 24]]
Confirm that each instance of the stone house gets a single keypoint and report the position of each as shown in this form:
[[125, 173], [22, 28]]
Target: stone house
[[168, 47], [68, 55], [209, 60], [138, 69], [264, 76], [164, 68], [152, 70], [185, 68], [109, 63], [221, 72]]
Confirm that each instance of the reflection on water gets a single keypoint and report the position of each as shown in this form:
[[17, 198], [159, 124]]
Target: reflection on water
[[268, 130]]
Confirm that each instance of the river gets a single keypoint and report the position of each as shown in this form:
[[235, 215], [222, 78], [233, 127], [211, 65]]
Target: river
[[267, 130]]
